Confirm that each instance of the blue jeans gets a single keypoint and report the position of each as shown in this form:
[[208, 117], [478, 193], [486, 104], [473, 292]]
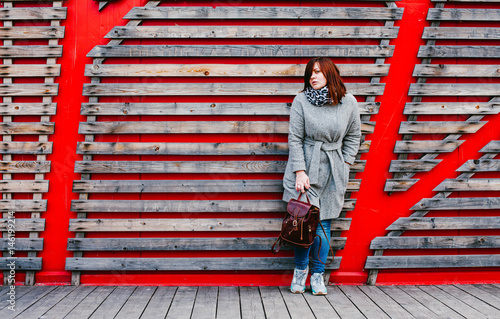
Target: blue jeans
[[302, 254]]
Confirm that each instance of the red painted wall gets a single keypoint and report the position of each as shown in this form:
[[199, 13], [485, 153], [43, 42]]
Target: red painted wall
[[375, 209]]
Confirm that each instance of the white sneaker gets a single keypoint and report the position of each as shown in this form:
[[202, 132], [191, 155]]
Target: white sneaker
[[318, 284], [299, 281]]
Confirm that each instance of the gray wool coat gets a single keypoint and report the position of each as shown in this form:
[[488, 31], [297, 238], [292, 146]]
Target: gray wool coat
[[321, 141]]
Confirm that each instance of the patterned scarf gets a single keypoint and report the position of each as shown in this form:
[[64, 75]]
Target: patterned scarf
[[318, 97]]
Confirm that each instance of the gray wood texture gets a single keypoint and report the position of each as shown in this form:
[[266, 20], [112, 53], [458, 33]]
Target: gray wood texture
[[150, 51], [22, 244], [448, 14], [26, 148], [436, 242], [21, 263], [17, 128], [420, 223], [176, 244], [29, 70], [431, 146], [224, 70], [24, 166], [185, 264], [23, 205], [485, 165], [193, 224], [34, 13], [457, 203], [458, 51], [28, 89], [440, 127], [22, 224], [413, 165], [433, 261], [159, 304], [38, 32], [206, 303], [477, 33], [28, 108], [232, 12], [30, 51], [454, 89], [176, 89], [204, 108], [446, 108], [472, 184], [251, 304], [24, 186]]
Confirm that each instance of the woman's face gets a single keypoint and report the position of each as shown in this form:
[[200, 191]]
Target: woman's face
[[317, 79]]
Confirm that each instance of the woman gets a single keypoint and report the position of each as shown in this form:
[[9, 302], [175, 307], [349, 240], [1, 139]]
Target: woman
[[324, 137]]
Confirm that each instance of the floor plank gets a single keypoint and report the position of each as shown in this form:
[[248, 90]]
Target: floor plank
[[273, 302], [68, 303], [183, 303], [489, 289], [320, 306], [297, 306], [251, 303], [411, 305], [452, 302], [134, 306], [492, 300], [205, 305], [26, 301], [88, 305], [18, 293], [228, 304], [48, 301], [472, 301], [433, 304], [385, 302], [364, 304], [113, 303], [159, 304], [343, 305]]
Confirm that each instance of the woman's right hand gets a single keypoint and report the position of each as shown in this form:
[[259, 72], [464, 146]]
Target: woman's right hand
[[301, 181]]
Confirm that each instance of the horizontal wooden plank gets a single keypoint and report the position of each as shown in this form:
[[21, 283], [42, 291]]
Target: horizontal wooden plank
[[238, 89], [232, 70], [484, 165], [182, 148], [444, 146], [152, 51], [188, 225], [23, 205], [23, 225], [180, 244], [21, 263], [14, 128], [458, 203], [36, 13], [471, 184], [447, 108], [30, 51], [29, 89], [180, 167], [448, 14], [234, 12], [404, 262], [185, 264], [458, 51], [255, 32], [439, 223], [457, 70], [28, 108], [22, 244], [491, 147], [184, 127], [436, 242], [443, 33], [440, 127], [30, 70], [454, 89], [25, 147], [365, 108], [38, 32], [185, 206], [399, 185], [193, 127], [24, 186], [413, 166], [24, 166], [186, 186]]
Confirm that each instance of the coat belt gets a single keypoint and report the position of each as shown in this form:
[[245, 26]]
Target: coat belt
[[319, 146]]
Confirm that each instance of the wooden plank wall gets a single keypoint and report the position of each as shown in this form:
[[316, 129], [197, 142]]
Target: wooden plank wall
[[30, 31], [185, 147], [473, 194]]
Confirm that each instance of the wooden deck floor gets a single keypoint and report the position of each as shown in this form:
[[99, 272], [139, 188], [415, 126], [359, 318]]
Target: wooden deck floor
[[450, 301]]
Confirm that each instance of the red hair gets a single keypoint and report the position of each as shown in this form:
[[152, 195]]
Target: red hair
[[336, 88]]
